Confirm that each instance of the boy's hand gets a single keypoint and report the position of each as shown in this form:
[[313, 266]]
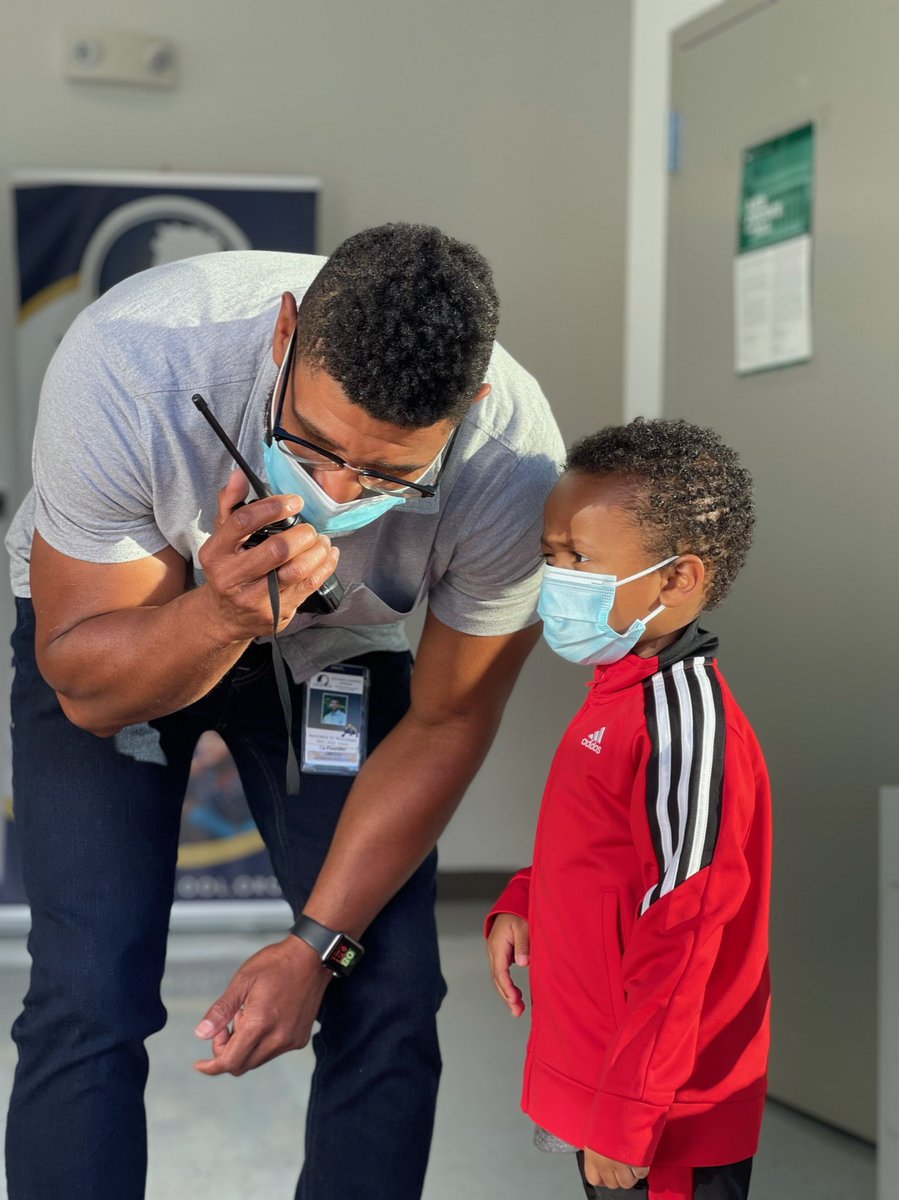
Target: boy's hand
[[509, 942], [607, 1173]]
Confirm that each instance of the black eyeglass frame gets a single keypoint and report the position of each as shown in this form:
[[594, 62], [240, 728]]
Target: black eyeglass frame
[[279, 434]]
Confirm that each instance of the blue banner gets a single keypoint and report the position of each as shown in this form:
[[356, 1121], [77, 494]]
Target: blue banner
[[77, 235]]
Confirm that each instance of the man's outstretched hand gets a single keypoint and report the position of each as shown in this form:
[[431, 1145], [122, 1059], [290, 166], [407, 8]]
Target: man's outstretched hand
[[267, 1008]]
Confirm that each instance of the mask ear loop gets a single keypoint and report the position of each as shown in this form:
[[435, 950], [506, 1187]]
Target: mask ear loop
[[648, 571]]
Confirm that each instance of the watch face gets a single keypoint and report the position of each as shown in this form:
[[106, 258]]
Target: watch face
[[344, 957]]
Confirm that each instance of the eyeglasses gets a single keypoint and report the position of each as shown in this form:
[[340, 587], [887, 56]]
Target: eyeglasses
[[316, 458]]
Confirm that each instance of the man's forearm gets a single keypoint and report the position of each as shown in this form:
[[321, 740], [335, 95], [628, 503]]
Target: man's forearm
[[400, 804], [133, 665], [126, 642]]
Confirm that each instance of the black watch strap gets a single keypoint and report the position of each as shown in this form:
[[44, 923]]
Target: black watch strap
[[338, 951]]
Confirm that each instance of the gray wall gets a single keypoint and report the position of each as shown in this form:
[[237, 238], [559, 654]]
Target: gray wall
[[809, 636], [505, 123]]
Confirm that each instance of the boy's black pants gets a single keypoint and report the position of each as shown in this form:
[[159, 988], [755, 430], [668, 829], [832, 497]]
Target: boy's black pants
[[708, 1183]]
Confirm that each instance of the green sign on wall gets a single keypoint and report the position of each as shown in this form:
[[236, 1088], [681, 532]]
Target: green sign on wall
[[776, 202]]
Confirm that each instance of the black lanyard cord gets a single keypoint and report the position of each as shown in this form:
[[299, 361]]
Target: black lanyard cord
[[293, 767]]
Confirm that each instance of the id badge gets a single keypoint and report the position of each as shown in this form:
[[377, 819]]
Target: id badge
[[335, 721]]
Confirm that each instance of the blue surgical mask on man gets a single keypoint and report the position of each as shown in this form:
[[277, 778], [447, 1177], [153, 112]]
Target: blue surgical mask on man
[[288, 477], [575, 607]]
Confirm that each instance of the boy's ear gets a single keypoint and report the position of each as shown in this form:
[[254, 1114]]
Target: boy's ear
[[685, 583]]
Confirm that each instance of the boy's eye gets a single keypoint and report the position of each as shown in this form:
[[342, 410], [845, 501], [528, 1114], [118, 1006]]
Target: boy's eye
[[570, 557]]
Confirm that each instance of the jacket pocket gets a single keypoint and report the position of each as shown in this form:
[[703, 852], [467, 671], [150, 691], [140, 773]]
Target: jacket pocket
[[612, 946]]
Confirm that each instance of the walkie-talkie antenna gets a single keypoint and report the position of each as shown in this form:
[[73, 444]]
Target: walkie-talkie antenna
[[255, 482]]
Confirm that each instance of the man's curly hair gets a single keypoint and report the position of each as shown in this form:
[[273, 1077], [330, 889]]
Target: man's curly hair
[[403, 318], [690, 493]]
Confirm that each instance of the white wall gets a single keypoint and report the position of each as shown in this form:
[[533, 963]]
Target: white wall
[[647, 199], [505, 123]]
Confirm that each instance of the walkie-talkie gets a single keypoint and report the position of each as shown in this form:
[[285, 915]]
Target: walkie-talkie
[[327, 598]]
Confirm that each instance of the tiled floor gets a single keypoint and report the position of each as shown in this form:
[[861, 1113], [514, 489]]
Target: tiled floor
[[241, 1139]]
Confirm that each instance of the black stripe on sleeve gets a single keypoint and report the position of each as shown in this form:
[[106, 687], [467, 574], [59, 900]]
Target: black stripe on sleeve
[[716, 782], [652, 775], [691, 701], [699, 728], [677, 760]]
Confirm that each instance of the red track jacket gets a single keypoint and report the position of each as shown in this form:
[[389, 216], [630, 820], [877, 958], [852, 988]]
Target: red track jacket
[[648, 911]]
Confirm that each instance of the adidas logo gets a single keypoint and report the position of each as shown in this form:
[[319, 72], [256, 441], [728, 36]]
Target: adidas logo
[[593, 741]]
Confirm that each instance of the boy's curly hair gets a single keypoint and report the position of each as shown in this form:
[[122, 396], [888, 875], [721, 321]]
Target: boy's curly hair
[[403, 318], [691, 494]]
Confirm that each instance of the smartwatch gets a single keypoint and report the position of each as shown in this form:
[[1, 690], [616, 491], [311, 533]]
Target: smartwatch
[[338, 951]]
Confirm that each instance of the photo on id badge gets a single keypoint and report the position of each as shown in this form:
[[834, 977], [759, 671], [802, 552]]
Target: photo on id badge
[[335, 720]]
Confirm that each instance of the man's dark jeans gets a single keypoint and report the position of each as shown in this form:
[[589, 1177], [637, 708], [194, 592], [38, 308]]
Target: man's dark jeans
[[98, 821]]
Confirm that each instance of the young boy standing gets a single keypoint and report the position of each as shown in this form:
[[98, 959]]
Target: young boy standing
[[644, 917]]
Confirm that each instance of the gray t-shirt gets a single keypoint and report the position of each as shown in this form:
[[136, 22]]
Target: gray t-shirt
[[124, 464]]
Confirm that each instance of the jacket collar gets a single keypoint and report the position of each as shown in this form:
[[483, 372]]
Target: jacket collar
[[694, 642]]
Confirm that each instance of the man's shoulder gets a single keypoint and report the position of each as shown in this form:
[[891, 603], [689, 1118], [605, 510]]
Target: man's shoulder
[[209, 289], [516, 416], [206, 318]]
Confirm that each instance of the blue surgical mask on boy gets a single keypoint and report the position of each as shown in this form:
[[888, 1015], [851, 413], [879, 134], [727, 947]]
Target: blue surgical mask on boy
[[575, 607], [325, 515]]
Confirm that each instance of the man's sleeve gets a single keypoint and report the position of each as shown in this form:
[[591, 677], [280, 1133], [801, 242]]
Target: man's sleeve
[[514, 899], [92, 480], [492, 576], [692, 807]]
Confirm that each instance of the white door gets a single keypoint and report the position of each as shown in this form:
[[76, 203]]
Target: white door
[[810, 637]]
